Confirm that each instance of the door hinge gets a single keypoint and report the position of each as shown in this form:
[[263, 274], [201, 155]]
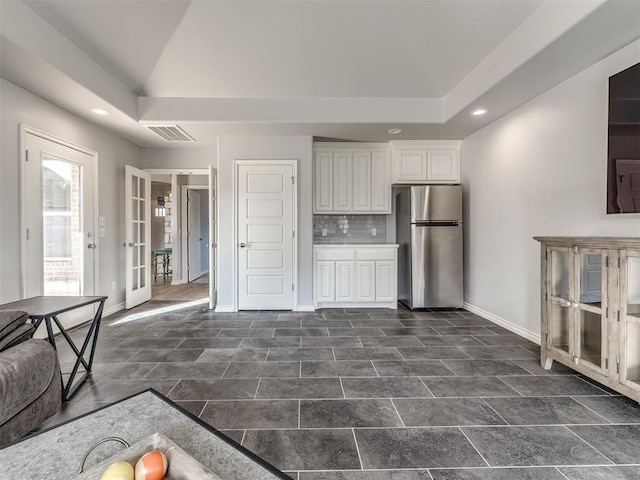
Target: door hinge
[[292, 287], [617, 367], [26, 155], [618, 262], [28, 234], [606, 364], [293, 180], [606, 261], [618, 315], [293, 233], [606, 312]]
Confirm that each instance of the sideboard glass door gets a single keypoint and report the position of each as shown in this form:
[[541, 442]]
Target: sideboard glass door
[[560, 313], [630, 319], [591, 342]]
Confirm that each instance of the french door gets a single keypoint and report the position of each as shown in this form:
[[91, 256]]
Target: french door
[[137, 236], [58, 218]]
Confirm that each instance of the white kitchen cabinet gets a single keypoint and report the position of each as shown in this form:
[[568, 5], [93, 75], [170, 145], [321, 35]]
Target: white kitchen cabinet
[[355, 275], [323, 182], [366, 281], [591, 308], [352, 178], [386, 290], [426, 161], [345, 281], [325, 280]]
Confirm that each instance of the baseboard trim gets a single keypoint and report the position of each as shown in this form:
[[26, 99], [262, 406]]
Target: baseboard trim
[[305, 308], [534, 337], [225, 309], [111, 310]]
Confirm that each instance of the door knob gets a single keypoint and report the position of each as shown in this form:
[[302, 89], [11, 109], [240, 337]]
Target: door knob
[[242, 245], [91, 245], [131, 244]]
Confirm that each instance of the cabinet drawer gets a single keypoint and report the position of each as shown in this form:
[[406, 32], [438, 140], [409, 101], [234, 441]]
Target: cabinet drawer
[[337, 254], [376, 254]]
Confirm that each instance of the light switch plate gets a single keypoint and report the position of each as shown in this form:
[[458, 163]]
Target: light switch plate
[[102, 232], [102, 222]]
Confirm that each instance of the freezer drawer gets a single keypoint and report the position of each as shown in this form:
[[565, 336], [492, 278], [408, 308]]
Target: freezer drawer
[[436, 203], [436, 267]]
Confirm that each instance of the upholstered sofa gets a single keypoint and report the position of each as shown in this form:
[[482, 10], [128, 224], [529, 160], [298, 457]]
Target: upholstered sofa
[[30, 380]]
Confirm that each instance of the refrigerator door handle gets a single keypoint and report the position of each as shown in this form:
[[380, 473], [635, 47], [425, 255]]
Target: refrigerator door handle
[[437, 223]]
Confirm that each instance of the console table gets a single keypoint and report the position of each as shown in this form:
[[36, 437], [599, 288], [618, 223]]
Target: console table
[[58, 451], [46, 309]]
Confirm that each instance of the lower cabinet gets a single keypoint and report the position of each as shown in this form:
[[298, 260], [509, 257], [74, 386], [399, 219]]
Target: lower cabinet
[[355, 276]]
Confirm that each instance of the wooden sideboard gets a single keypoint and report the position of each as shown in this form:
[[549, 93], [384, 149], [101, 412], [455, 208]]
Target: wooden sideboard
[[590, 293]]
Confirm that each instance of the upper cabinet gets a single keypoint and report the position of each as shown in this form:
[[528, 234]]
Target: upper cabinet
[[351, 178], [435, 161]]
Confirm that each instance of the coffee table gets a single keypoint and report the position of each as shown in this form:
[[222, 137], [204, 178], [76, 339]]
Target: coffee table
[[58, 451]]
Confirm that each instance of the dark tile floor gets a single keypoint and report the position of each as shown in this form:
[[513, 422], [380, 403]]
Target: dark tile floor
[[371, 394]]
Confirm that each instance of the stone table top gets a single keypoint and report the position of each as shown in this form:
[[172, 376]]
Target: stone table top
[[56, 453]]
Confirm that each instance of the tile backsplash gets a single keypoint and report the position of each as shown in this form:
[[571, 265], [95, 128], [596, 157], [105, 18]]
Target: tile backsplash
[[350, 228]]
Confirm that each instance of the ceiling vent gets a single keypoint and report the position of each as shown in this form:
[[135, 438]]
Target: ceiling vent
[[171, 133]]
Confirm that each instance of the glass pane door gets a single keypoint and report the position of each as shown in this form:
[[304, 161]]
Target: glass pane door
[[591, 345], [631, 326], [559, 310]]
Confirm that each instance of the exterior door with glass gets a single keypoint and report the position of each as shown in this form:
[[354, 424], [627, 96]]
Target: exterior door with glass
[[58, 217]]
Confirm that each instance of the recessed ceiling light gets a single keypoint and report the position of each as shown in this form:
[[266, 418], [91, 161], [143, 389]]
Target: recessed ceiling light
[[480, 111], [395, 131], [99, 111]]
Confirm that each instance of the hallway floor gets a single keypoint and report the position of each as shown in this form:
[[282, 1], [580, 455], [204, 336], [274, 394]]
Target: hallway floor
[[372, 394]]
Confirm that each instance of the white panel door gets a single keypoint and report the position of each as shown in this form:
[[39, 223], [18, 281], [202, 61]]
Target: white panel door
[[325, 281], [362, 181], [265, 236], [194, 237], [385, 281], [342, 181], [345, 282], [366, 281], [137, 236], [323, 182], [380, 182]]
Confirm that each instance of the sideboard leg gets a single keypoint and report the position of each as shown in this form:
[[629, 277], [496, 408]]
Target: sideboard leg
[[546, 361]]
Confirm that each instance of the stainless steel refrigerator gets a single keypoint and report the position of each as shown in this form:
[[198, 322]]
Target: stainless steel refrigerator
[[429, 234]]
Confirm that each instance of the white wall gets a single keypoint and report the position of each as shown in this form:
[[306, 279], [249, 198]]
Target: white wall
[[297, 148], [20, 106], [541, 170]]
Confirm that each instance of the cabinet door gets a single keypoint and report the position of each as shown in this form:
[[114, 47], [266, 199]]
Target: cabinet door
[[443, 165], [559, 319], [342, 181], [380, 182], [366, 281], [345, 279], [385, 281], [325, 281], [590, 304], [630, 319], [362, 181], [323, 182], [410, 165]]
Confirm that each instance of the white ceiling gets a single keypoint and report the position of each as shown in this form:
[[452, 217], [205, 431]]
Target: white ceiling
[[343, 69]]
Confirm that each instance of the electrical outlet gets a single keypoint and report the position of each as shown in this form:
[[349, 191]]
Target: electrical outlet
[[324, 232], [374, 232], [113, 285]]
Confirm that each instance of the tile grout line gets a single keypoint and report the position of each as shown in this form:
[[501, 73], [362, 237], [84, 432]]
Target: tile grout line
[[428, 389], [299, 408], [560, 472], [397, 412], [495, 411], [475, 448], [588, 408], [587, 443], [355, 440], [255, 395], [342, 387]]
